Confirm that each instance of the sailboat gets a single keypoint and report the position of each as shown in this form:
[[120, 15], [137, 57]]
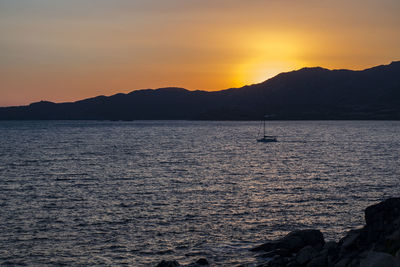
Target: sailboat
[[267, 138]]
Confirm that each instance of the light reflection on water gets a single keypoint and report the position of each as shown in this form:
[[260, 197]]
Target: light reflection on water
[[110, 193]]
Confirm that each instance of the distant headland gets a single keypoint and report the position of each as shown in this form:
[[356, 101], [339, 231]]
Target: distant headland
[[305, 94]]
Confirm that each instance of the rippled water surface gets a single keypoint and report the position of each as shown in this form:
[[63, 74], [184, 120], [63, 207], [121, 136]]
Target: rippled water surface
[[113, 193]]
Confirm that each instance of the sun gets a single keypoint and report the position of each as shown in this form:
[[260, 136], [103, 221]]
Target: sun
[[266, 70], [260, 71], [267, 57]]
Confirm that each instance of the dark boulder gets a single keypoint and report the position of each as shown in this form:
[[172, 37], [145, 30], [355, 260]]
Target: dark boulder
[[277, 252], [202, 261], [306, 254], [168, 264], [377, 242], [294, 241], [319, 261], [379, 259], [293, 263], [383, 226], [352, 241], [383, 213]]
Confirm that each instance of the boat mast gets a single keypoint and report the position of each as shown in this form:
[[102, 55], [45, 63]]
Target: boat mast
[[264, 126]]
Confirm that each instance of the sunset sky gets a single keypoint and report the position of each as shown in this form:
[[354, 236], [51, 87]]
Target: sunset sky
[[68, 50]]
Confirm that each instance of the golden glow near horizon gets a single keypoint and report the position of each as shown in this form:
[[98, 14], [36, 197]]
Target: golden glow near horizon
[[69, 50], [268, 57]]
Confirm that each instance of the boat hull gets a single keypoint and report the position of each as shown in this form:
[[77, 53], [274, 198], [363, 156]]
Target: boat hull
[[267, 140]]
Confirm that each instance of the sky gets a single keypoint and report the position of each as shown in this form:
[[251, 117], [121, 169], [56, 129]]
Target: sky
[[68, 50]]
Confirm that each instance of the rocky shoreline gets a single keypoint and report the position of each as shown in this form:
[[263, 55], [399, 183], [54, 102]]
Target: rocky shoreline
[[376, 244]]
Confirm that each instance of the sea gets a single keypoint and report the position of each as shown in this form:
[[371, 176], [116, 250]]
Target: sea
[[133, 193]]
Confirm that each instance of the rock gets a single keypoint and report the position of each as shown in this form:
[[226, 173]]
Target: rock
[[320, 261], [294, 241], [168, 264], [377, 244], [293, 264], [381, 234], [331, 245], [202, 261], [265, 247], [392, 242], [280, 252], [290, 243], [311, 237], [379, 259], [306, 254], [342, 262], [382, 230], [279, 262], [350, 241], [328, 254], [383, 212]]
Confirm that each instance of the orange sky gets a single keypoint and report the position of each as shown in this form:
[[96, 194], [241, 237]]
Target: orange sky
[[69, 50]]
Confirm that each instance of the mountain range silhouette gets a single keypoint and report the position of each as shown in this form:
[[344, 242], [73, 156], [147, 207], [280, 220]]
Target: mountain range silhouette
[[305, 94]]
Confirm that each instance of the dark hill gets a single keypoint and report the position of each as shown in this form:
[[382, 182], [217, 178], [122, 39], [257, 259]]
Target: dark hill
[[308, 93]]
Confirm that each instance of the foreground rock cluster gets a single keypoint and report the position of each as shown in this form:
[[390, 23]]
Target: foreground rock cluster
[[377, 244]]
